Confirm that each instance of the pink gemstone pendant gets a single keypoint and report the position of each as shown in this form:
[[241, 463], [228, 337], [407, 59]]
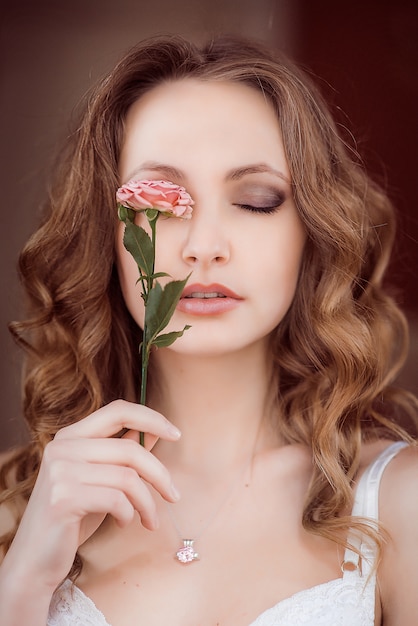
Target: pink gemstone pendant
[[186, 554]]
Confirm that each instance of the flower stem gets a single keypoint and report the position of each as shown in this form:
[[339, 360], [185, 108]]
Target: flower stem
[[144, 373], [153, 224], [152, 220]]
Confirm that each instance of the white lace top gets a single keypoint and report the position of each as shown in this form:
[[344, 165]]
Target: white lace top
[[346, 601]]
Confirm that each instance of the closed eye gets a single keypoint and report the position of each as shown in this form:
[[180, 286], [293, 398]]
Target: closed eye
[[258, 198], [259, 209]]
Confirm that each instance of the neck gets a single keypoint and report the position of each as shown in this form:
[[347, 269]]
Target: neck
[[220, 404]]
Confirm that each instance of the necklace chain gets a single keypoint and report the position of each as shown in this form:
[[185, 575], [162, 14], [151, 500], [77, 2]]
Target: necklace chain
[[186, 554]]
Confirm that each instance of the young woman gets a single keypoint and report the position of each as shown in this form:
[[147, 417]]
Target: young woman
[[281, 389]]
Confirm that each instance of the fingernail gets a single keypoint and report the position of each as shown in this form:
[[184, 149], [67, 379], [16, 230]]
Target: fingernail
[[175, 492], [173, 430]]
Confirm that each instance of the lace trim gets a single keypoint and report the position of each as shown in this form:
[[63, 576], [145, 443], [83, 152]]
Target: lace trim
[[344, 601], [71, 607]]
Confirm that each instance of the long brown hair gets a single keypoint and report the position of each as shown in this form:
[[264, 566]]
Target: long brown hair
[[343, 341]]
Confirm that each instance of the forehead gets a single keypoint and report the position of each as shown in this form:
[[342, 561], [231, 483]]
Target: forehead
[[192, 119]]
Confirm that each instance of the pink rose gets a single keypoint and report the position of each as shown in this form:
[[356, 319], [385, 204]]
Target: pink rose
[[167, 197]]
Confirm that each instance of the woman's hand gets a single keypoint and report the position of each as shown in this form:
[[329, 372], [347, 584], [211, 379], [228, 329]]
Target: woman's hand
[[86, 474]]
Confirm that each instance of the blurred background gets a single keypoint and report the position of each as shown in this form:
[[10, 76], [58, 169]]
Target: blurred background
[[364, 53]]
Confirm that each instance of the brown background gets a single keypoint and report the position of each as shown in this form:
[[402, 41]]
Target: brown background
[[52, 51]]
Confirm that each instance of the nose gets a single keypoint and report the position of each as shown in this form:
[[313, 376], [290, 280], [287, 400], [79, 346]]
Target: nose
[[206, 242]]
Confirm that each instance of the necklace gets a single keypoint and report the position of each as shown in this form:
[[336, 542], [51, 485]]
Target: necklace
[[186, 553]]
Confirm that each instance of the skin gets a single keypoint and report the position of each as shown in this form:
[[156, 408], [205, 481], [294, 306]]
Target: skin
[[223, 242], [241, 488]]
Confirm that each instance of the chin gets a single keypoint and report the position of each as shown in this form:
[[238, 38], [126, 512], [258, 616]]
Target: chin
[[207, 345]]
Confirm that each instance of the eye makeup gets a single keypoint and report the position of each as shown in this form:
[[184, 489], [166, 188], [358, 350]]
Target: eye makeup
[[260, 199]]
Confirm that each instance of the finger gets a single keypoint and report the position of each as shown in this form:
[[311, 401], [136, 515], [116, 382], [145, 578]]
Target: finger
[[118, 415], [61, 455], [106, 501], [133, 435], [124, 479], [149, 440]]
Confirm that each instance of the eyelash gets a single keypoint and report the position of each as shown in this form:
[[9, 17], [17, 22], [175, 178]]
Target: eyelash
[[256, 209], [268, 210]]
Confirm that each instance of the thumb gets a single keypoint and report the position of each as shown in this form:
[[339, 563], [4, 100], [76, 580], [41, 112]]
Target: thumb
[[149, 439]]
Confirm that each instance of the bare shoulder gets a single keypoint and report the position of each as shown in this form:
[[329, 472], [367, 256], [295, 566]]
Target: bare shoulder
[[398, 574], [400, 487]]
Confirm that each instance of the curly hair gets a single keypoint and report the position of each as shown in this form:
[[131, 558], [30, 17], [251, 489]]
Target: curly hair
[[338, 350]]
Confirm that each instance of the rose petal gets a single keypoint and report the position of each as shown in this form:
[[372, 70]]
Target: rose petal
[[165, 196]]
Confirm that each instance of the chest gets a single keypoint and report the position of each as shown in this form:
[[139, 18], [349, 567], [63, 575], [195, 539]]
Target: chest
[[254, 554]]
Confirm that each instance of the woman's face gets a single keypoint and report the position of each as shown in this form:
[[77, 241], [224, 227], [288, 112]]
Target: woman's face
[[244, 244]]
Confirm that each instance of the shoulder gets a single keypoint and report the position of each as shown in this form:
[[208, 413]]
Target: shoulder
[[399, 490], [399, 486], [398, 574]]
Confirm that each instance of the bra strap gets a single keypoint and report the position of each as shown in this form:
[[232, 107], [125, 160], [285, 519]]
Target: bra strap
[[366, 504]]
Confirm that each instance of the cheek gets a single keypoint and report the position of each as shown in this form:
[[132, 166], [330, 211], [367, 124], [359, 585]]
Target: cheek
[[170, 239], [284, 260], [128, 279]]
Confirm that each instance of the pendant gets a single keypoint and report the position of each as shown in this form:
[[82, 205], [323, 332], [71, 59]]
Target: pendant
[[186, 554]]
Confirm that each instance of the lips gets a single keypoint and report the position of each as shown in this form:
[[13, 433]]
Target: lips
[[213, 299], [208, 291], [204, 294]]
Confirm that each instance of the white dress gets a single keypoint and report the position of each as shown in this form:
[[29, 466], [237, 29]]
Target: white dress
[[345, 601]]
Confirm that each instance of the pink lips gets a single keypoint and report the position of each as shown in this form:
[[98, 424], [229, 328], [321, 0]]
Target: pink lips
[[211, 299]]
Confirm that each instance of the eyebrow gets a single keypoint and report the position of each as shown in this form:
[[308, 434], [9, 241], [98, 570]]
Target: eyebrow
[[172, 173], [258, 168], [169, 172]]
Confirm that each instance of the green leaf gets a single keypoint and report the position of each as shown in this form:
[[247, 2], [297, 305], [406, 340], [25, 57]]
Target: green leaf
[[139, 244], [159, 275], [160, 307], [152, 311], [125, 213], [152, 214], [162, 341]]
